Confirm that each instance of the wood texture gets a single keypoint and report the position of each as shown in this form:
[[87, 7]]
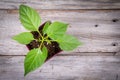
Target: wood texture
[[104, 38], [96, 23], [62, 4], [63, 68]]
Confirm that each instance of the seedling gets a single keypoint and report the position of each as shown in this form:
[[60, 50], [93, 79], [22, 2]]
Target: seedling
[[51, 32]]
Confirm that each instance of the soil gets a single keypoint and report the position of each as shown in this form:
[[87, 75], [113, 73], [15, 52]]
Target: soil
[[52, 48]]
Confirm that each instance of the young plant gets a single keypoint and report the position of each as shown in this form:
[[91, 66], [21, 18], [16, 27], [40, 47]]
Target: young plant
[[51, 32]]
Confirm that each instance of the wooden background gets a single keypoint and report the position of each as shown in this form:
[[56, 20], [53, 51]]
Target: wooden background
[[95, 22]]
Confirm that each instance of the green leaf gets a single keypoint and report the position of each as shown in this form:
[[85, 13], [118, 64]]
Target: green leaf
[[34, 59], [56, 29], [24, 38], [47, 24], [45, 53], [68, 42], [29, 18]]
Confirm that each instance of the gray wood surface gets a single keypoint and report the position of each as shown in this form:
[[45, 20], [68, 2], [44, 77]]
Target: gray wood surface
[[62, 4], [96, 23], [63, 68]]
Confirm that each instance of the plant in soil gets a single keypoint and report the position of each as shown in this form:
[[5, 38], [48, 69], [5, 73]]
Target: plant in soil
[[43, 41]]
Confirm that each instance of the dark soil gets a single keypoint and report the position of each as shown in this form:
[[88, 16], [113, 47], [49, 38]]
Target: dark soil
[[53, 48]]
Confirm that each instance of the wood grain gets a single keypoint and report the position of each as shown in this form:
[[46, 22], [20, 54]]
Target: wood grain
[[83, 66], [96, 23], [61, 4], [63, 68]]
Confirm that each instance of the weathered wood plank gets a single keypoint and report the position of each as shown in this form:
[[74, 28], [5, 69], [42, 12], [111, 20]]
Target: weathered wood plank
[[61, 4], [71, 53], [103, 38], [63, 68]]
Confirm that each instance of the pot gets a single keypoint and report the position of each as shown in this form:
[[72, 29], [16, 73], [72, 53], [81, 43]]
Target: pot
[[52, 48]]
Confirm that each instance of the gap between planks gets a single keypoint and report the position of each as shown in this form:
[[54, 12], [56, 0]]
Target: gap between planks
[[80, 54], [71, 10]]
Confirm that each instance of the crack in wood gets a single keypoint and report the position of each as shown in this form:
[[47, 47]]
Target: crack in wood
[[116, 77]]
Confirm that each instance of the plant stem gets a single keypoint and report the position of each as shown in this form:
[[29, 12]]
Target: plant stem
[[46, 37], [41, 43], [43, 39], [40, 34]]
